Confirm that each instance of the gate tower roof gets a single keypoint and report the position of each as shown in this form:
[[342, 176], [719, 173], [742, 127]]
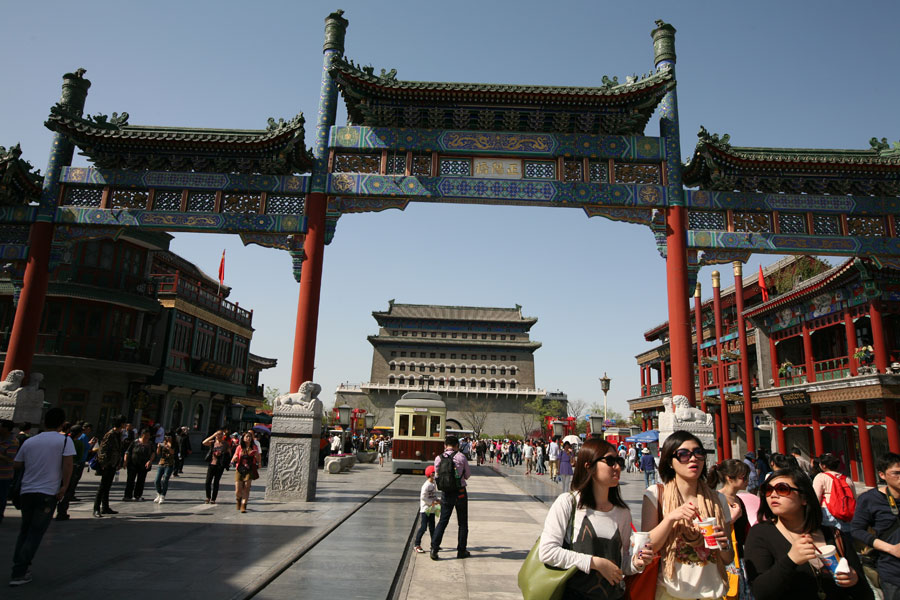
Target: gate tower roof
[[454, 313], [112, 143], [384, 101], [717, 165]]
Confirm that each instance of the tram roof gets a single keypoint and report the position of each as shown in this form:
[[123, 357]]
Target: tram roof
[[420, 400]]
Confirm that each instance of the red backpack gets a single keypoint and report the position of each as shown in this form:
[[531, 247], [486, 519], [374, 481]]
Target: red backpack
[[841, 503]]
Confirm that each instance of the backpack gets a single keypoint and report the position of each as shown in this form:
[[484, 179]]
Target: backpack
[[841, 503], [447, 478]]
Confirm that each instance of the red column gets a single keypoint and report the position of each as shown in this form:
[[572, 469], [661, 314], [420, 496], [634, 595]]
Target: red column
[[890, 423], [850, 334], [881, 356], [717, 418], [779, 431], [698, 327], [720, 369], [27, 321], [808, 358], [745, 359], [643, 384], [818, 444], [865, 444], [310, 289], [679, 307], [773, 352], [662, 376]]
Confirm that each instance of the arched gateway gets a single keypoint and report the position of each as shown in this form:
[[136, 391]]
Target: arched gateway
[[573, 147]]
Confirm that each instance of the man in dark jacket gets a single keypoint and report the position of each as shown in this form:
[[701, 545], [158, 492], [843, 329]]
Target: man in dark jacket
[[184, 449], [879, 509], [648, 467], [109, 460]]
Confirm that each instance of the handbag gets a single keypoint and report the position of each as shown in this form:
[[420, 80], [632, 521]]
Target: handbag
[[642, 586], [539, 581]]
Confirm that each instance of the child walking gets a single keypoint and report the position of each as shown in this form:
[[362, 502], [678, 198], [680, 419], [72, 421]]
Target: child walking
[[428, 504]]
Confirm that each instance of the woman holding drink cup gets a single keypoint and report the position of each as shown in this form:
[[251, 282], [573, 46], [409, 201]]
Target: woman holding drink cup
[[693, 535], [601, 533], [790, 554]]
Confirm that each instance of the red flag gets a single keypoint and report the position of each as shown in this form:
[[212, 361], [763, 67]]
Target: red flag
[[222, 270], [762, 283]]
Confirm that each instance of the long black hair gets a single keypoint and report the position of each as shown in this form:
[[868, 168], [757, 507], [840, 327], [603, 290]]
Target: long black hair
[[592, 451], [812, 514], [667, 454], [732, 467]]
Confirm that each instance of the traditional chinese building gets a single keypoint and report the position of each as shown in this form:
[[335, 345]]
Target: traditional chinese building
[[130, 327], [479, 359]]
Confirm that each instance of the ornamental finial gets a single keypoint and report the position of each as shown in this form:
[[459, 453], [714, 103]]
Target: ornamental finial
[[715, 279], [663, 43], [697, 290], [737, 268], [335, 30]]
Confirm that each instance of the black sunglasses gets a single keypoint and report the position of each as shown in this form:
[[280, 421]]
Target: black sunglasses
[[783, 489], [612, 461], [684, 455]]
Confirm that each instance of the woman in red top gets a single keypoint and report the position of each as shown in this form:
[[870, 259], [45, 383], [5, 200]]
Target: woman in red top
[[246, 458]]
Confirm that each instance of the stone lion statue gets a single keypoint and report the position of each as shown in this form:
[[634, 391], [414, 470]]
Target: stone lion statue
[[305, 399], [684, 412], [13, 382]]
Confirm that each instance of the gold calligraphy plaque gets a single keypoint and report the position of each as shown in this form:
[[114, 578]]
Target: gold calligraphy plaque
[[497, 168]]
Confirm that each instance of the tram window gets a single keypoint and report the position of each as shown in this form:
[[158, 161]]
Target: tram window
[[403, 425], [418, 426], [435, 429]]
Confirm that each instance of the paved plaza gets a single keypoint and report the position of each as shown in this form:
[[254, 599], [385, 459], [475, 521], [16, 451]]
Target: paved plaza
[[354, 542]]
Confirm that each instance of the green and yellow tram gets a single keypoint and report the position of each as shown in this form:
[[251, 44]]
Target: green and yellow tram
[[419, 419]]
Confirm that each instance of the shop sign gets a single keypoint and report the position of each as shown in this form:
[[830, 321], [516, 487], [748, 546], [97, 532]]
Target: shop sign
[[795, 398]]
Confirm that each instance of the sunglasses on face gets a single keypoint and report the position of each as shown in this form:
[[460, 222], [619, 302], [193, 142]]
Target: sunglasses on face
[[684, 455], [782, 489], [612, 461]]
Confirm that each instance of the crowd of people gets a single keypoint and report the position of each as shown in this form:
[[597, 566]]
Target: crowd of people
[[42, 471]]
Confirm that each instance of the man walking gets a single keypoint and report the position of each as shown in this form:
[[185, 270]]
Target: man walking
[[452, 483], [528, 451], [648, 467], [878, 509], [47, 460], [553, 458], [9, 445], [62, 507], [804, 463], [109, 460]]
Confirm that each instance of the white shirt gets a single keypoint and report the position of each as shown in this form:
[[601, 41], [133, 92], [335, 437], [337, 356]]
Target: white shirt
[[160, 435], [529, 451], [553, 451], [427, 495], [42, 455]]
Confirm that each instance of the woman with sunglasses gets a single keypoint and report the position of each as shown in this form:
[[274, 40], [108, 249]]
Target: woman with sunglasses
[[688, 569], [782, 550], [600, 540]]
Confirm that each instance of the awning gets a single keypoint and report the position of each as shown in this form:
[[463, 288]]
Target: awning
[[250, 417], [644, 437]]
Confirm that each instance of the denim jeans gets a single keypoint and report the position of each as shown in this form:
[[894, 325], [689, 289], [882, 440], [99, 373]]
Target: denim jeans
[[426, 520], [163, 473], [37, 511], [450, 500], [649, 478]]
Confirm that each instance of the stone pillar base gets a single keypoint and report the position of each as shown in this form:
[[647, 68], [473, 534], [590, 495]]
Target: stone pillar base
[[294, 453], [679, 415], [22, 404]]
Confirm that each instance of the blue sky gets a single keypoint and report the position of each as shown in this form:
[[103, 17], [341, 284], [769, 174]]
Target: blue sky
[[784, 74]]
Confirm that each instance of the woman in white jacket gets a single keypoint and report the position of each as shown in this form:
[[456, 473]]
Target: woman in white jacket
[[601, 534]]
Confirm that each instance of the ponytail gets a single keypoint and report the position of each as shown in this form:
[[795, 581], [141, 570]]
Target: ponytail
[[718, 474]]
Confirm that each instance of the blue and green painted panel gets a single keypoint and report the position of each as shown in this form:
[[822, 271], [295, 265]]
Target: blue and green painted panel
[[543, 145], [18, 215], [226, 182], [746, 201], [776, 243], [497, 191], [177, 221]]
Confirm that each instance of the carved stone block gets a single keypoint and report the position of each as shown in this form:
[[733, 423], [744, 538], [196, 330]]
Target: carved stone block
[[680, 416], [294, 451]]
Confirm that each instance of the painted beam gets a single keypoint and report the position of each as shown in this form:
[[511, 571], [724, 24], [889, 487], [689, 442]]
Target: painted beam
[[536, 145], [18, 215], [200, 222], [796, 203], [476, 190], [774, 243], [227, 182]]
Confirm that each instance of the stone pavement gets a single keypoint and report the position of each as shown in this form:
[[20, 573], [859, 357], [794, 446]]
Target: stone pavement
[[198, 550], [506, 516]]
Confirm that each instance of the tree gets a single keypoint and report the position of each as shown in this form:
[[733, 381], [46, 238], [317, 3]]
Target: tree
[[530, 417], [475, 414], [802, 269], [270, 394], [577, 408], [378, 412]]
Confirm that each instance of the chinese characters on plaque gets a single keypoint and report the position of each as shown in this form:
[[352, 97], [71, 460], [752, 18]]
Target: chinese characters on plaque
[[500, 168]]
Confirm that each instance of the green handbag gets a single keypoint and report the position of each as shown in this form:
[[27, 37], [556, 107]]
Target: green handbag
[[539, 581]]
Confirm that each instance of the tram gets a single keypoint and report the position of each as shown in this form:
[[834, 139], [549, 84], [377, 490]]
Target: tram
[[419, 419]]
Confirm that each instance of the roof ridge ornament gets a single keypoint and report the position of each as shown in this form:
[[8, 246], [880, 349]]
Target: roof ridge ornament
[[108, 122], [884, 148], [723, 141], [610, 83]]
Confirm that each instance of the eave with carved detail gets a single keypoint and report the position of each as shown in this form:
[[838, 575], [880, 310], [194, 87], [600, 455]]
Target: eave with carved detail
[[20, 183], [385, 101], [114, 144], [719, 166]]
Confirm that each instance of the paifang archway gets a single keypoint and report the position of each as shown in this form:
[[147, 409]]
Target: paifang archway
[[572, 147]]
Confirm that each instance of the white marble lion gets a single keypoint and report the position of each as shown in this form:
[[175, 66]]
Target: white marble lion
[[305, 399], [684, 412]]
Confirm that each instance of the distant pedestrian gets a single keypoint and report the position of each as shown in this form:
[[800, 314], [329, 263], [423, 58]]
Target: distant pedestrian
[[648, 467], [753, 477], [553, 458], [540, 458], [109, 460], [62, 507], [9, 445], [804, 463], [565, 465], [47, 460], [139, 458], [184, 450], [335, 444], [217, 458], [382, 450], [630, 459], [160, 434], [427, 503], [528, 451], [167, 456], [453, 496], [246, 458]]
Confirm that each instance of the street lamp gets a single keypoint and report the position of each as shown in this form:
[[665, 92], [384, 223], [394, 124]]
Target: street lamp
[[237, 411], [370, 421], [597, 424], [344, 414], [604, 385], [558, 428]]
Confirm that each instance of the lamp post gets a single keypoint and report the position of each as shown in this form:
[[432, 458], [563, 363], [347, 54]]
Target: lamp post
[[237, 411], [604, 385], [597, 424], [558, 428], [370, 421], [344, 411]]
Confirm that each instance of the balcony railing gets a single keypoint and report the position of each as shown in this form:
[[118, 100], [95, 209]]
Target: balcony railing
[[176, 284], [832, 368], [113, 349], [435, 387]]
